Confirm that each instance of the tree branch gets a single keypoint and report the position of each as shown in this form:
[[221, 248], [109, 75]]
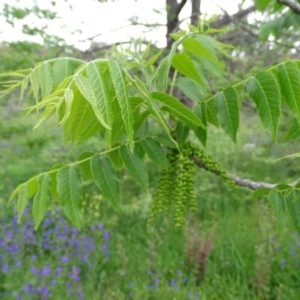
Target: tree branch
[[180, 6], [251, 184], [195, 12], [226, 18], [294, 6], [242, 182], [173, 11]]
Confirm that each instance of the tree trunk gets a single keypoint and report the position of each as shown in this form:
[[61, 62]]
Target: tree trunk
[[195, 12], [173, 10]]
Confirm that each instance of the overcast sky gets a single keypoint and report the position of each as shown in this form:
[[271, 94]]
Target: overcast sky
[[111, 19]]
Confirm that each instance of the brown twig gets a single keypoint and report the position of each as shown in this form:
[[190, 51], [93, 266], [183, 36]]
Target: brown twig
[[294, 6]]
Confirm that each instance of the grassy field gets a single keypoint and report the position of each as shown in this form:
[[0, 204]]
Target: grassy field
[[232, 248]]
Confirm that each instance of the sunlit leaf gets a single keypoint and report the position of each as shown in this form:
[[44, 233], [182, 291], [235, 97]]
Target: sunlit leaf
[[154, 151], [190, 88], [292, 202], [211, 114], [185, 66], [177, 109], [84, 165], [276, 199], [121, 89], [69, 192], [194, 46], [41, 200], [106, 179], [135, 166], [293, 132], [289, 75], [45, 78], [227, 107], [82, 122], [86, 89], [264, 90], [116, 159], [200, 132]]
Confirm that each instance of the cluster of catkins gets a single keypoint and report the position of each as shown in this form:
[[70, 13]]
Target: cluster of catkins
[[175, 192]]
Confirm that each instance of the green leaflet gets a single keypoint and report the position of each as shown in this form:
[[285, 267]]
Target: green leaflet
[[292, 202], [160, 77], [195, 47], [155, 152], [64, 67], [22, 199], [84, 165], [41, 200], [177, 109], [210, 111], [264, 90], [185, 66], [190, 88], [68, 189], [24, 192], [81, 123], [276, 199], [200, 132], [98, 74], [86, 89], [95, 88], [227, 107], [34, 84], [116, 159], [152, 60], [293, 132], [262, 4], [182, 132], [106, 179], [45, 78], [165, 139], [289, 75], [141, 123], [153, 109], [135, 166], [121, 88], [67, 99]]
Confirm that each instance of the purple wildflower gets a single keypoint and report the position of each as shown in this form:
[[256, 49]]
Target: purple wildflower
[[106, 235], [172, 282], [64, 259], [46, 271], [74, 274], [29, 289], [5, 268]]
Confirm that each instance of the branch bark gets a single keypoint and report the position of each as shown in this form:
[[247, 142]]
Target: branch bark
[[173, 10], [242, 182], [294, 6], [227, 19], [251, 184], [195, 12]]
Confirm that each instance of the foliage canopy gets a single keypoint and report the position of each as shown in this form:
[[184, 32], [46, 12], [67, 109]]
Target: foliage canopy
[[136, 110]]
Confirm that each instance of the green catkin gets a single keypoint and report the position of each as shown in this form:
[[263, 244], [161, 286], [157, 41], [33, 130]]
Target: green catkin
[[212, 166], [175, 192], [189, 185], [91, 208], [160, 193], [179, 193]]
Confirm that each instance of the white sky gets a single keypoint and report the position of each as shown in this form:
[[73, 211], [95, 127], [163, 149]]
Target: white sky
[[108, 19]]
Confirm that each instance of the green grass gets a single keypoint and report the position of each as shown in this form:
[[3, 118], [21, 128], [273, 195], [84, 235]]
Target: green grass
[[232, 248]]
